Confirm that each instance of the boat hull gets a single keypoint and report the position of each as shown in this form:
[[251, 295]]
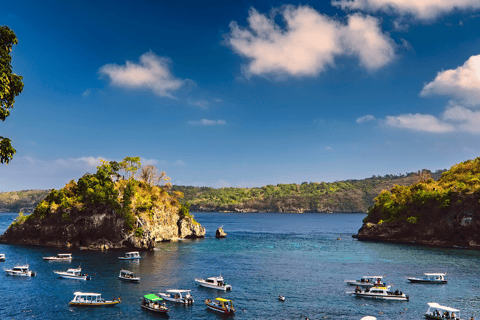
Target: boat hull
[[20, 274], [94, 304], [85, 278], [129, 279], [217, 287], [124, 258], [220, 309], [382, 297], [183, 300], [415, 280], [159, 310]]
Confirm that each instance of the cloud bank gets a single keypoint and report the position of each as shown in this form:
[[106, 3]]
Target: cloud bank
[[420, 9], [152, 73], [207, 122], [308, 42]]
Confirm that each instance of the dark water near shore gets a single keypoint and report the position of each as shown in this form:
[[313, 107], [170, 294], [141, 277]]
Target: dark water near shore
[[264, 255]]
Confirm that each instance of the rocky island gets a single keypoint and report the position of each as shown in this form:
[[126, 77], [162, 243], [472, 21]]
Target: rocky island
[[443, 213], [106, 211]]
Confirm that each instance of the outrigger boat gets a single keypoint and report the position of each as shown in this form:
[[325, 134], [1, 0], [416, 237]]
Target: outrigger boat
[[21, 271], [224, 306], [436, 311], [383, 293], [180, 296], [128, 276], [131, 256], [154, 303], [435, 278], [75, 274], [214, 283], [367, 281], [2, 257], [92, 299], [60, 257]]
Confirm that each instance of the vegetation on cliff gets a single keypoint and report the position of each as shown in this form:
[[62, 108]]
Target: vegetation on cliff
[[25, 200]]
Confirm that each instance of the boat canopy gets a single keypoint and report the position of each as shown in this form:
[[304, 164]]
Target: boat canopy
[[88, 294], [126, 272], [152, 297], [434, 274], [371, 277], [437, 306], [223, 300], [178, 291], [65, 255], [133, 253]]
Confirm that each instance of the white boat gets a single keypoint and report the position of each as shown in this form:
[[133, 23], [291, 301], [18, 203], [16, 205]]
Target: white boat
[[436, 311], [180, 296], [75, 274], [128, 276], [60, 257], [281, 298], [131, 256], [21, 271], [224, 306], [367, 281], [2, 257], [92, 299], [435, 278], [382, 293], [153, 303], [214, 283]]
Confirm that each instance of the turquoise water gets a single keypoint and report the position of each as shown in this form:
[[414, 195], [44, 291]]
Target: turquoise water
[[264, 255]]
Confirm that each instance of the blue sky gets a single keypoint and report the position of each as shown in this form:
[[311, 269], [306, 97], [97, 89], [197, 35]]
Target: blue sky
[[220, 93]]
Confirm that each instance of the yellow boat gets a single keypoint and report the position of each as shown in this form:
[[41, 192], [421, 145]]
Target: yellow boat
[[92, 299], [224, 306]]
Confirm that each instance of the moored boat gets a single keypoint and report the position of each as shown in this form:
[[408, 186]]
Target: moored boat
[[214, 283], [128, 276], [20, 271], [131, 256], [92, 299], [436, 311], [2, 257], [180, 296], [367, 281], [154, 303], [60, 257], [434, 278], [72, 273], [224, 306], [382, 293]]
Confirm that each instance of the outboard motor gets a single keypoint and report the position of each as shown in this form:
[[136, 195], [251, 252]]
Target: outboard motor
[[33, 274]]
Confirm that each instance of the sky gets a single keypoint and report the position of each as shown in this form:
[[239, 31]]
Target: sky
[[242, 93]]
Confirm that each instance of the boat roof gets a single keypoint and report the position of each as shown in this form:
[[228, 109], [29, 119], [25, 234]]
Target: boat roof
[[75, 269], [126, 271], [437, 306], [216, 278], [64, 254], [224, 300], [152, 297], [87, 294], [178, 291], [370, 277], [21, 267], [434, 274], [133, 252]]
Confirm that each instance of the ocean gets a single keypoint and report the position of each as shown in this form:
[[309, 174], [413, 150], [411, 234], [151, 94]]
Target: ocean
[[304, 257]]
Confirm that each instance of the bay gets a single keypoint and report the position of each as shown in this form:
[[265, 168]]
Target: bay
[[305, 257]]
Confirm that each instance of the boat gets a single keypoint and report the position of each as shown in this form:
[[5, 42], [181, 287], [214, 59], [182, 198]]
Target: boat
[[435, 278], [21, 271], [60, 257], [214, 283], [367, 281], [75, 274], [224, 306], [154, 303], [2, 257], [382, 293], [92, 299], [180, 296], [436, 311], [281, 298], [128, 276], [131, 256]]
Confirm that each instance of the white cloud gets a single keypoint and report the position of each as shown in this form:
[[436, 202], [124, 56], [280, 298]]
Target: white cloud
[[218, 100], [466, 119], [207, 122], [87, 93], [153, 73], [462, 83], [421, 9], [328, 149], [366, 118], [419, 122], [198, 103], [308, 43]]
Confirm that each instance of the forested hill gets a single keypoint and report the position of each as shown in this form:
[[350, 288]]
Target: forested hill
[[25, 200], [341, 196]]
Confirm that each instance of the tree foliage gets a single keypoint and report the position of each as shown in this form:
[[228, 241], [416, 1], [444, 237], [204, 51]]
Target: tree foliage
[[11, 85]]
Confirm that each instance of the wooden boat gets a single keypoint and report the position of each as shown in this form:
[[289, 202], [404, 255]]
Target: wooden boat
[[281, 298], [382, 293], [2, 257], [20, 271], [214, 283], [60, 257], [154, 303], [131, 256], [75, 274], [367, 281], [436, 311], [180, 296], [128, 276], [224, 306], [92, 299], [434, 278]]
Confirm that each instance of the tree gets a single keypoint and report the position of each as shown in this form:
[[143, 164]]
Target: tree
[[149, 174], [11, 85], [130, 165]]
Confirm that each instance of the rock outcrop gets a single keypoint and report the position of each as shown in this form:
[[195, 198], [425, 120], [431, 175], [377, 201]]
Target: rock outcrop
[[220, 233]]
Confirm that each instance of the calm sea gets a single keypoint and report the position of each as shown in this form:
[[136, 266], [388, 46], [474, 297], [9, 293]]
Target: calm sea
[[305, 257]]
